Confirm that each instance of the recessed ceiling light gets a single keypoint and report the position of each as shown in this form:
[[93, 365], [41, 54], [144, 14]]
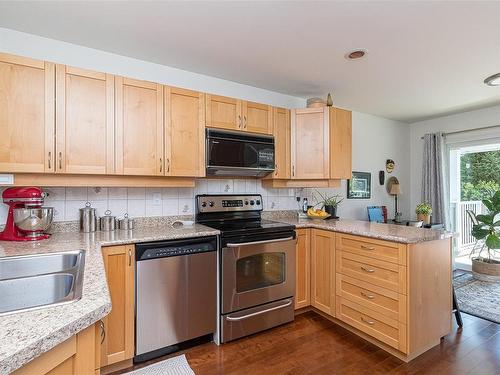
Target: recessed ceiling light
[[356, 54], [493, 80]]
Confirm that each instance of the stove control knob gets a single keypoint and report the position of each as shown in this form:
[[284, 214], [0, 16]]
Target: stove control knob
[[258, 203], [252, 203], [211, 203], [246, 203], [203, 204]]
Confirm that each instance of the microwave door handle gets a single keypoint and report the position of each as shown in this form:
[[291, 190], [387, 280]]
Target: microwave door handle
[[288, 303], [258, 242]]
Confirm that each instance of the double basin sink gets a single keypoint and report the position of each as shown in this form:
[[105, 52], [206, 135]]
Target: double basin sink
[[34, 281]]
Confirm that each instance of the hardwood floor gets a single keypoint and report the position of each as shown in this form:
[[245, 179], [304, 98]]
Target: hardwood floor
[[314, 345]]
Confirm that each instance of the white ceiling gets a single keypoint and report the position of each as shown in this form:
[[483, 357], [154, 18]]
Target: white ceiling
[[425, 58]]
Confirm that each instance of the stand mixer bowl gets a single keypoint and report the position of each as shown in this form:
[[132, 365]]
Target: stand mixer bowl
[[33, 221]]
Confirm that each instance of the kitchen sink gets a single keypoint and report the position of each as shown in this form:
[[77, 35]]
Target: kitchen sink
[[35, 281]]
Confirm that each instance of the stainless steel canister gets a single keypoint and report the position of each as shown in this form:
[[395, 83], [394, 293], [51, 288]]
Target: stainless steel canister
[[107, 222], [126, 223], [88, 219]]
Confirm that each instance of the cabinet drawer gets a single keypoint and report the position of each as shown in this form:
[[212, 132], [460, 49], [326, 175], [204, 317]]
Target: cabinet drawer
[[383, 250], [386, 302], [384, 274], [384, 329]]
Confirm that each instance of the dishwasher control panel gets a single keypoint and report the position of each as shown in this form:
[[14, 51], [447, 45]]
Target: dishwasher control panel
[[175, 248]]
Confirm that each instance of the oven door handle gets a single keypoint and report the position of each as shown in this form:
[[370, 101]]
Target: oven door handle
[[258, 242], [288, 303]]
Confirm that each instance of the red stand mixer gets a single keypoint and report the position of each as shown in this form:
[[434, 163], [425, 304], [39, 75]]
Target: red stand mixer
[[27, 219]]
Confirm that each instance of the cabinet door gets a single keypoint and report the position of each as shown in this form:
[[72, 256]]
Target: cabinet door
[[26, 115], [282, 143], [257, 118], [139, 127], [302, 264], [184, 132], [310, 143], [118, 344], [84, 121], [223, 112], [340, 143], [323, 271]]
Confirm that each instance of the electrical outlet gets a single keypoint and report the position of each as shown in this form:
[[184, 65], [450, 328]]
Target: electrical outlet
[[157, 199]]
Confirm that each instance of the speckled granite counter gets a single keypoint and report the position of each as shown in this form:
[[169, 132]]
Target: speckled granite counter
[[388, 232], [26, 335]]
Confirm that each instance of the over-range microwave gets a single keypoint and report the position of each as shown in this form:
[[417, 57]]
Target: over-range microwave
[[238, 154]]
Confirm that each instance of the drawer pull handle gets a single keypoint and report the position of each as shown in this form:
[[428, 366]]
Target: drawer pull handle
[[367, 247], [370, 322], [369, 270], [369, 296]]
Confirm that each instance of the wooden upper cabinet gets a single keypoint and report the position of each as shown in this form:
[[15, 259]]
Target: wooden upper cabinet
[[184, 132], [340, 143], [118, 343], [257, 118], [84, 121], [310, 143], [282, 143], [26, 115], [139, 127], [223, 112], [323, 270]]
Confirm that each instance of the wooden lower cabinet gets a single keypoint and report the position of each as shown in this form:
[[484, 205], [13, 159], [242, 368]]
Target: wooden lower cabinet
[[118, 338], [75, 356], [303, 269], [396, 295], [323, 271]]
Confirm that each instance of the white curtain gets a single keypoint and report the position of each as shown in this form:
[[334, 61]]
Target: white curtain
[[434, 181]]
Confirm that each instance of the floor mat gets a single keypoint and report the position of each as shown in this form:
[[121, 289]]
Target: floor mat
[[172, 366], [478, 298]]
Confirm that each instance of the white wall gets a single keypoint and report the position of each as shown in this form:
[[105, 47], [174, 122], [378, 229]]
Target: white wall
[[462, 121], [41, 48], [375, 140]]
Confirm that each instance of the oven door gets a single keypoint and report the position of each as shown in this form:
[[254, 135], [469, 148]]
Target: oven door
[[254, 273]]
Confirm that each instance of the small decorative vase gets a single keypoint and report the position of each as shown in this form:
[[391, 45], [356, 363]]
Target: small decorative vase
[[332, 210], [425, 218], [329, 100]]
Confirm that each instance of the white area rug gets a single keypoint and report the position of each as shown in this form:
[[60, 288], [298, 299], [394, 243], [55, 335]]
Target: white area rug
[[172, 366]]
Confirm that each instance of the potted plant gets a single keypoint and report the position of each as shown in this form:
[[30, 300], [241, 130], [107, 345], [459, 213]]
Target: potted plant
[[486, 231], [329, 203], [424, 211]]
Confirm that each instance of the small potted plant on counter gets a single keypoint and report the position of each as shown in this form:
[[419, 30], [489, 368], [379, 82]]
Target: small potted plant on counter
[[424, 211], [329, 203], [486, 230]]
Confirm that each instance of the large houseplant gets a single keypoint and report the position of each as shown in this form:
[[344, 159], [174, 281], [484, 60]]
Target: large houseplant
[[329, 203], [487, 233]]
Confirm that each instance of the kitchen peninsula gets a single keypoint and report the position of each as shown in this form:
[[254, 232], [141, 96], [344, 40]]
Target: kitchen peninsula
[[380, 281]]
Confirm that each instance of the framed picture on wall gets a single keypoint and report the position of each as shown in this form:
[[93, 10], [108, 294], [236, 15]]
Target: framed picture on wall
[[359, 186]]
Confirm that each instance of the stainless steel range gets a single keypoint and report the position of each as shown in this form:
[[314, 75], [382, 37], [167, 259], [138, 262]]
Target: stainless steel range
[[257, 264]]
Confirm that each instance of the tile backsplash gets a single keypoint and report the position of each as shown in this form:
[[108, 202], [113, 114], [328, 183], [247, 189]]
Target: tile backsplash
[[146, 202]]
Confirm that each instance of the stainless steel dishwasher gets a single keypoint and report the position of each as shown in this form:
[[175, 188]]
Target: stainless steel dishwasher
[[176, 295]]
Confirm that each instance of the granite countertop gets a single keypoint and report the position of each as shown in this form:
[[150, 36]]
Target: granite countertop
[[388, 232], [26, 335]]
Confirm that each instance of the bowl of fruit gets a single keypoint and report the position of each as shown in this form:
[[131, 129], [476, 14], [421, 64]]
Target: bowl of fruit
[[317, 214]]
